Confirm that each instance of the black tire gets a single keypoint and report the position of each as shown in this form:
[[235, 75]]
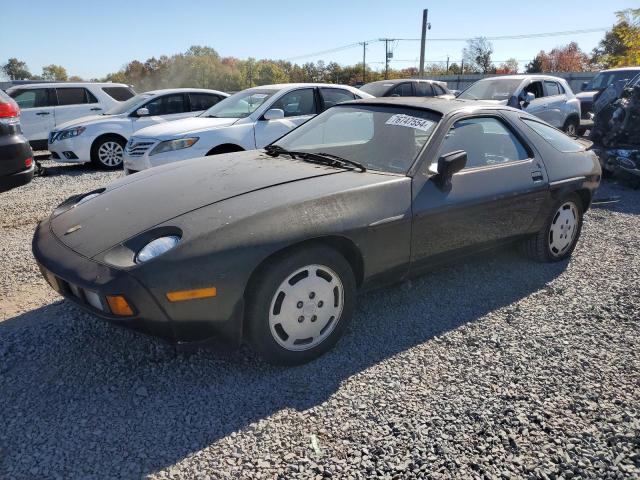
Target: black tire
[[265, 289], [538, 247], [571, 126], [101, 143]]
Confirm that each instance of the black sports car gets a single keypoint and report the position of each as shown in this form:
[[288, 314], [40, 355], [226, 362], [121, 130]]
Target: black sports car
[[272, 245]]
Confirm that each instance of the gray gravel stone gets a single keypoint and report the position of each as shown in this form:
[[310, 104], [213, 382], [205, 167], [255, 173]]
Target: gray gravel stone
[[495, 368]]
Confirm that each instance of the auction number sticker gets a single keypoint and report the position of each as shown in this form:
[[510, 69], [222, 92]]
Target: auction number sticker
[[402, 120]]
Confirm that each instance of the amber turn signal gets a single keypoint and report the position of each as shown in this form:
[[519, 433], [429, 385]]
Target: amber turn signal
[[119, 305], [182, 295]]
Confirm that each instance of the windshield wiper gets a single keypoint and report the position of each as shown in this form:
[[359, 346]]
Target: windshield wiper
[[319, 157], [275, 150], [336, 160]]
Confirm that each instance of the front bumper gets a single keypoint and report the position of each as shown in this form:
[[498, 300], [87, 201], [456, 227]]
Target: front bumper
[[82, 280], [138, 162], [71, 150]]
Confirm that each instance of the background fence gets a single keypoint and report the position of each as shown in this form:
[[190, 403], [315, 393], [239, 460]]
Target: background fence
[[460, 82]]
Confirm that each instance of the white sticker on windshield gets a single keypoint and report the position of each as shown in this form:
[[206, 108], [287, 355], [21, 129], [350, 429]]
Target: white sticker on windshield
[[402, 120]]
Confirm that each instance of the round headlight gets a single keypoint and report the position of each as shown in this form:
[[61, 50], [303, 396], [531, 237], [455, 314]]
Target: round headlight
[[157, 247]]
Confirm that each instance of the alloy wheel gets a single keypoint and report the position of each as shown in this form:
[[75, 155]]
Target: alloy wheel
[[110, 153], [306, 307]]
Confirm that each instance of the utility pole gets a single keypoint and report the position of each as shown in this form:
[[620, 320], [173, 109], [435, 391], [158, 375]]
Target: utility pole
[[425, 24], [364, 62], [447, 63], [386, 58]]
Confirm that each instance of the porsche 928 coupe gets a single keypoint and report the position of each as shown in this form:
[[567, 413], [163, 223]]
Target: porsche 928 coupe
[[271, 246]]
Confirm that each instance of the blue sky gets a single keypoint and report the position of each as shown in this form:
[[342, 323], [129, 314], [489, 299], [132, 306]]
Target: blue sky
[[91, 39]]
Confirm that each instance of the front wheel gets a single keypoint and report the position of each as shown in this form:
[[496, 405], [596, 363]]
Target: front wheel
[[571, 127], [107, 152], [300, 304], [558, 238]]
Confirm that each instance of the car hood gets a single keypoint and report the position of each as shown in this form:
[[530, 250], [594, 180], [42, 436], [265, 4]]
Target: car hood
[[141, 201], [88, 120], [185, 126]]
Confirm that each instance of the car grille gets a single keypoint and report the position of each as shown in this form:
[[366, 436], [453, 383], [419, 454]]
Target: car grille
[[137, 148], [67, 289]]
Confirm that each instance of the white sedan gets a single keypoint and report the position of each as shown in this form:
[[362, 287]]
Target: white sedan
[[100, 139], [246, 120]]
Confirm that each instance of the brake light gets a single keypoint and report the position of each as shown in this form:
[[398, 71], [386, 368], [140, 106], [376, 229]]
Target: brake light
[[9, 109], [28, 162]]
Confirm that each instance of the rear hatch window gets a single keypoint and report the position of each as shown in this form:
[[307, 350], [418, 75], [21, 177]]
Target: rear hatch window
[[119, 93]]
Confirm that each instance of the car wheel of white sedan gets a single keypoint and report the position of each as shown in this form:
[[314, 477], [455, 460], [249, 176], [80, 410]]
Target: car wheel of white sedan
[[560, 234], [107, 152], [299, 305]]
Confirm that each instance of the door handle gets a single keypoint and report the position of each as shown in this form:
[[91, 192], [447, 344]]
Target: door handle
[[95, 109], [43, 113], [537, 176]]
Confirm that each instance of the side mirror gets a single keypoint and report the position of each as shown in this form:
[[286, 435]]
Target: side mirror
[[273, 114], [142, 112], [447, 166], [528, 98], [584, 86]]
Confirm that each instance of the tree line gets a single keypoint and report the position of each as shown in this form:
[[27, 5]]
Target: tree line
[[203, 67]]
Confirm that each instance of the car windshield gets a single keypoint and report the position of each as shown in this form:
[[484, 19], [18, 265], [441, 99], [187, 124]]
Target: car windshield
[[491, 89], [383, 138], [239, 105], [604, 79], [124, 107], [377, 89]]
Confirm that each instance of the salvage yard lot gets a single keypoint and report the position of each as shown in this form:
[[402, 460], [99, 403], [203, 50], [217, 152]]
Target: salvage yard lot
[[497, 367]]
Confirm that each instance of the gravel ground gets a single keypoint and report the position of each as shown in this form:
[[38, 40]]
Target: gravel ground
[[496, 368]]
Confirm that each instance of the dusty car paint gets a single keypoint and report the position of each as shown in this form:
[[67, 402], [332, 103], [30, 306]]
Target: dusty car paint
[[235, 213]]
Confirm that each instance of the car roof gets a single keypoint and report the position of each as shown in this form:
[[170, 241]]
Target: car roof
[[280, 86], [401, 80], [621, 69], [534, 76], [440, 105], [182, 90], [66, 84]]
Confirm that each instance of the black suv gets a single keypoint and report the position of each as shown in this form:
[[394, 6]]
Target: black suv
[[16, 157]]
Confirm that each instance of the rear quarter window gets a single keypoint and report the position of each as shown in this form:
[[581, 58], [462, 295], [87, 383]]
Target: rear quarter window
[[555, 137], [119, 93]]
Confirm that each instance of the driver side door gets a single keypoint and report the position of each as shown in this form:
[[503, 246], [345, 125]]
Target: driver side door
[[497, 195], [540, 106], [164, 108], [298, 106]]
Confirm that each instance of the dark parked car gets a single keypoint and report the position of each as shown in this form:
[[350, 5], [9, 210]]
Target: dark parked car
[[272, 245], [407, 87], [16, 158]]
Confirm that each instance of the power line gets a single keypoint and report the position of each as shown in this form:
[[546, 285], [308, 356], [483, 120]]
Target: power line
[[494, 38]]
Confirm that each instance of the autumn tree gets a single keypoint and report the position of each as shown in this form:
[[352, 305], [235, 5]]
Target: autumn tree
[[477, 55], [54, 73], [16, 70], [508, 67]]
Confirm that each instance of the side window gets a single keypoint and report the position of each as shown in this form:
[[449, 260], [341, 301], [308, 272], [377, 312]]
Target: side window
[[91, 98], [555, 137], [438, 89], [552, 88], [402, 90], [561, 88], [424, 89], [71, 96], [167, 105], [486, 140], [31, 98], [333, 96], [202, 101], [297, 103], [535, 88]]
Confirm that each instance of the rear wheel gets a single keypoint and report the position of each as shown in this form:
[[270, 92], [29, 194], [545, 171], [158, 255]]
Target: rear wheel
[[107, 152], [558, 238], [300, 304], [571, 126]]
